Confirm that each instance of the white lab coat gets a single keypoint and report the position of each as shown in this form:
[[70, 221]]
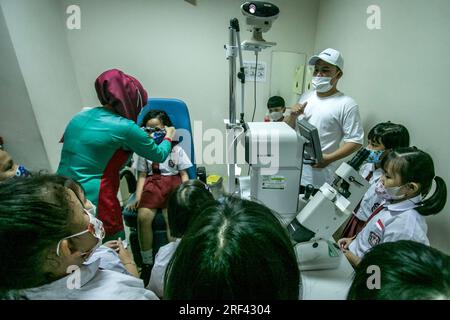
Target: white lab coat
[[398, 221]]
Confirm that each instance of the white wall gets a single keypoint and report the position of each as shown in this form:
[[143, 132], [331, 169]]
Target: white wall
[[17, 121], [176, 50], [37, 32], [398, 73]]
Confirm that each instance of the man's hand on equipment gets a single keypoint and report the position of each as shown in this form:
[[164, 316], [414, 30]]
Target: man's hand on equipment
[[325, 161], [298, 109]]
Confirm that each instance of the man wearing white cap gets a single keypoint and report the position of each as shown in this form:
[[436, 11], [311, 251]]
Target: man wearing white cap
[[335, 115]]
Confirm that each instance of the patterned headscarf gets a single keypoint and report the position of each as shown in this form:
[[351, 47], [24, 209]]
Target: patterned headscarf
[[123, 92]]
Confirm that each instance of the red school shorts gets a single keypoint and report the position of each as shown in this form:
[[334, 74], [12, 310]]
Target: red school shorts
[[157, 189]]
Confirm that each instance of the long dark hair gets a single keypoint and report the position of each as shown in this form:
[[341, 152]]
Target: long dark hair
[[35, 213], [234, 249], [414, 165], [184, 202]]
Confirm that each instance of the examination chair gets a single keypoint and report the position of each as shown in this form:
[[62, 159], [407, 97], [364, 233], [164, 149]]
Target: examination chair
[[179, 114]]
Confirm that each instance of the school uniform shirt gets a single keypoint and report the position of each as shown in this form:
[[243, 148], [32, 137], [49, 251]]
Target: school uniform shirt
[[175, 162], [162, 258], [109, 259], [337, 119], [94, 284], [397, 221], [371, 200], [368, 168]]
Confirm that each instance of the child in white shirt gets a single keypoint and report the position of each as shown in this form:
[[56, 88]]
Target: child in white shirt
[[155, 183], [404, 188], [383, 137]]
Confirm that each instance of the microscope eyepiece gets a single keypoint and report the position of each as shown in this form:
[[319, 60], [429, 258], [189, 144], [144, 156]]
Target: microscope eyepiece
[[359, 158]]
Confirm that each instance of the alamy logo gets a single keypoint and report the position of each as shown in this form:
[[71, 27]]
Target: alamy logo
[[374, 20], [73, 21], [374, 280]]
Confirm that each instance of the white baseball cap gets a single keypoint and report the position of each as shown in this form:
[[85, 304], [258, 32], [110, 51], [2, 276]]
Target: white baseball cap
[[329, 55]]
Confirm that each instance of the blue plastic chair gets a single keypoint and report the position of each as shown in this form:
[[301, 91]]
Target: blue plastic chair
[[179, 114]]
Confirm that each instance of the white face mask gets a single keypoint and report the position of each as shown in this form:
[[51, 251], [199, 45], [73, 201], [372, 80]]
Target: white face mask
[[95, 228], [93, 208], [322, 84], [275, 116], [389, 194]]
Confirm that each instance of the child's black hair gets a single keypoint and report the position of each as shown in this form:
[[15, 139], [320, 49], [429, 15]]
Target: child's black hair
[[414, 165], [391, 135], [275, 101], [233, 250], [408, 270], [184, 203], [157, 114], [35, 213]]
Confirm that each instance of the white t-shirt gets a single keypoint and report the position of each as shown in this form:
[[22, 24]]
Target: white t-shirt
[[396, 222], [162, 259], [337, 119], [175, 162]]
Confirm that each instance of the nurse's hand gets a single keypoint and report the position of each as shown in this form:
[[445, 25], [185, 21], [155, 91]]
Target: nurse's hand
[[170, 132]]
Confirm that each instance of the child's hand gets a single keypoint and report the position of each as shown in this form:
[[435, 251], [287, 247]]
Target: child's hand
[[125, 255], [352, 258], [133, 206], [113, 244], [344, 243]]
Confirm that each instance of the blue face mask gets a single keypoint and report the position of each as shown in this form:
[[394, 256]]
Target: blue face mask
[[158, 136], [22, 172], [374, 156]]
